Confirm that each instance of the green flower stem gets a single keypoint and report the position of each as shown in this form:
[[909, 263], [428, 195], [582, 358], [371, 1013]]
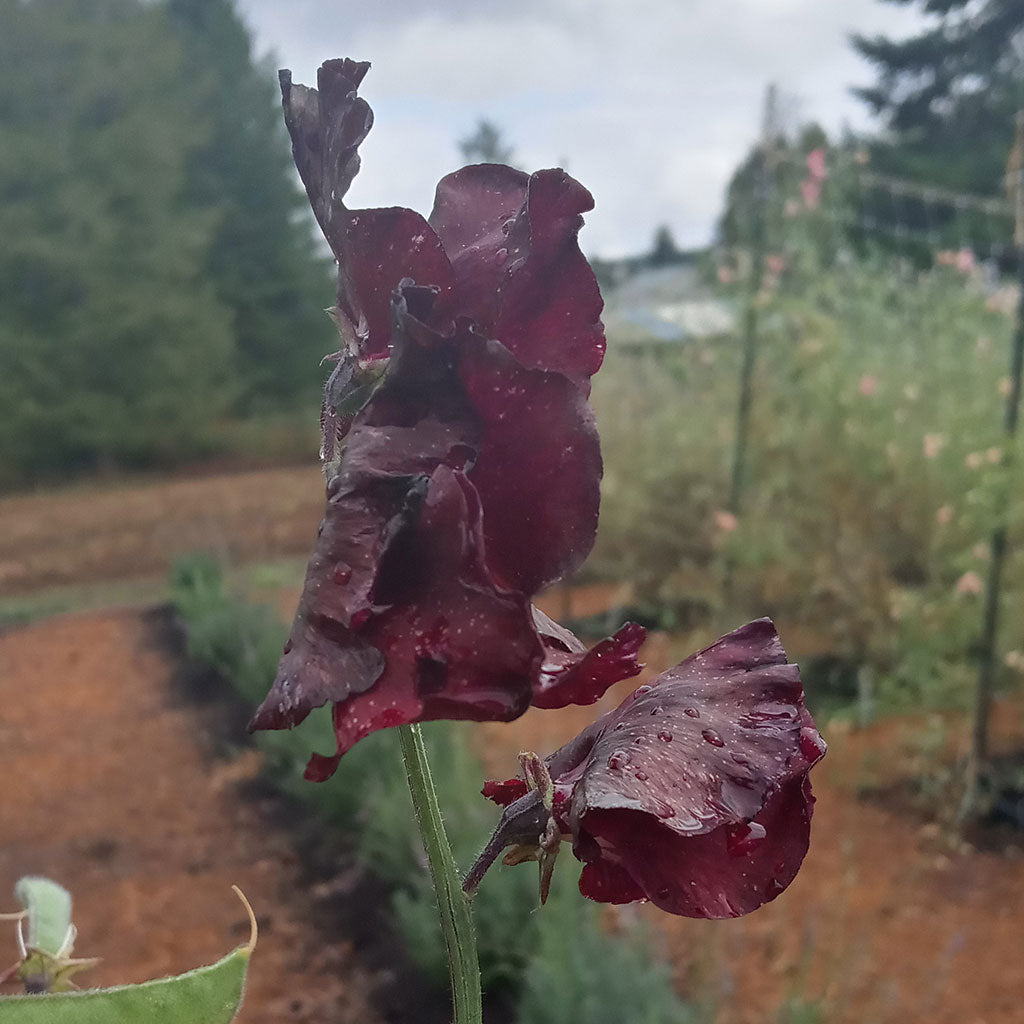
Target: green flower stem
[[456, 916]]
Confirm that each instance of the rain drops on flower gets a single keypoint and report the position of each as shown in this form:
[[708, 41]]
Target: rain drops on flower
[[692, 794]]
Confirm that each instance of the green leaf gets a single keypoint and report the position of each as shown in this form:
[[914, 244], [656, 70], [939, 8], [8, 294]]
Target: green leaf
[[206, 995]]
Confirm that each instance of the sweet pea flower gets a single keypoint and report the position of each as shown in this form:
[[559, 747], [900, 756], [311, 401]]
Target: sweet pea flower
[[460, 451], [969, 584], [816, 165], [933, 444], [692, 794], [868, 385]]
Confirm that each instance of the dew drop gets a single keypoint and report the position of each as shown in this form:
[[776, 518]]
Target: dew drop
[[744, 837], [500, 256], [342, 574], [619, 726], [657, 710], [692, 712], [713, 738], [617, 759], [360, 618], [641, 690], [641, 776], [288, 645], [740, 760], [664, 810]]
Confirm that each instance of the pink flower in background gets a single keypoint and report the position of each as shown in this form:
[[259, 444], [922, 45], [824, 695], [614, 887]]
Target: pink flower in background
[[945, 258], [993, 455], [868, 385], [933, 444], [816, 165], [965, 260], [725, 521], [981, 550], [944, 515], [974, 460], [970, 583], [775, 263], [810, 191], [792, 208], [726, 275]]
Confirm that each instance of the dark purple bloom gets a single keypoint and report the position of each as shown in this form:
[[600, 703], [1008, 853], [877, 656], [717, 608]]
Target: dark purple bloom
[[692, 794], [462, 460]]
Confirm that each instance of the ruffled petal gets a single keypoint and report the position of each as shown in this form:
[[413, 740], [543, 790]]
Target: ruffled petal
[[538, 471], [519, 271], [375, 249], [727, 872]]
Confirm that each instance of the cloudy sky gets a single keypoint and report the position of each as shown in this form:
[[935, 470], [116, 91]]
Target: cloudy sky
[[650, 104]]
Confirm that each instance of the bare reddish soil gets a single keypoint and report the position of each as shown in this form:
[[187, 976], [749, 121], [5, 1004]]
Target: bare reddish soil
[[111, 789], [87, 534]]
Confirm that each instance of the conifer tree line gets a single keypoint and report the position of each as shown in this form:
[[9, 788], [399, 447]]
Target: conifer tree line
[[158, 271]]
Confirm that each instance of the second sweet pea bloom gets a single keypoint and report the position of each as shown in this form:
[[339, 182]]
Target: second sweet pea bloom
[[692, 794], [462, 459]]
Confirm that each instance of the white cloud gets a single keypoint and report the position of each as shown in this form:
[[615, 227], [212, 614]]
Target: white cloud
[[652, 104]]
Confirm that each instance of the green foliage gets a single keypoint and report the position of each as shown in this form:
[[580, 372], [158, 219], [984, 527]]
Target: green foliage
[[368, 798], [875, 462], [210, 994], [947, 95], [581, 972], [263, 261], [114, 348]]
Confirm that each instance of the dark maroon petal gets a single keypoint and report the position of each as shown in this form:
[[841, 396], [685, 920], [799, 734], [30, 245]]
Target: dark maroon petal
[[455, 646], [609, 883], [707, 742], [519, 270], [724, 873], [371, 502], [574, 675], [539, 467], [551, 305], [376, 250], [326, 127], [474, 209], [504, 793]]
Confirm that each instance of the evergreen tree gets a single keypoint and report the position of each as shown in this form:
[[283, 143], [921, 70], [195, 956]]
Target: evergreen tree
[[264, 262], [947, 96], [485, 145], [113, 347]]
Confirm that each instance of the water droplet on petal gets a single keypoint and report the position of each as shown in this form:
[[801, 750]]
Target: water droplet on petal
[[500, 256], [641, 776], [664, 810], [665, 736], [360, 618], [342, 574], [692, 712], [744, 837], [288, 645], [617, 759], [713, 738], [657, 710], [641, 690]]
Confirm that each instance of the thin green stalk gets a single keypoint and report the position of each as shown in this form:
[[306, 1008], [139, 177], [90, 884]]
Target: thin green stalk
[[454, 908]]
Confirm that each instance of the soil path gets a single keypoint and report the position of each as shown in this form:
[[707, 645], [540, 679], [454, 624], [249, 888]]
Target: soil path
[[111, 789], [89, 533]]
